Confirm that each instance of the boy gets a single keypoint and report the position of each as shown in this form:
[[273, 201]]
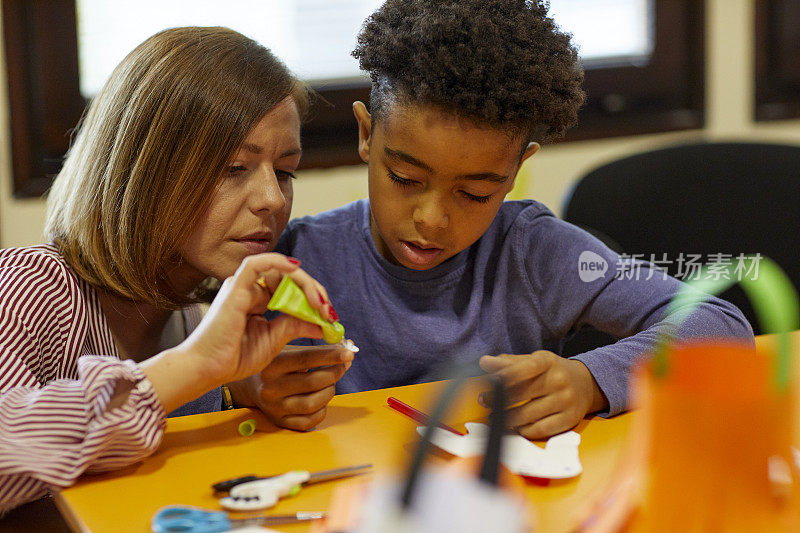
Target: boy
[[436, 265]]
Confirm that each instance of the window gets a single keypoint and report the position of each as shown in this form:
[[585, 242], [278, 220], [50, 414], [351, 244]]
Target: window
[[643, 63], [625, 37], [777, 59], [313, 37], [659, 91]]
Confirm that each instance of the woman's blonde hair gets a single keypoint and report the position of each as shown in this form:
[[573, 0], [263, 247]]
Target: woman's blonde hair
[[151, 149]]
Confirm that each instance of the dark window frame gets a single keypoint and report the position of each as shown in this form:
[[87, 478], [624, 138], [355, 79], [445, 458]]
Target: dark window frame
[[45, 101], [777, 60]]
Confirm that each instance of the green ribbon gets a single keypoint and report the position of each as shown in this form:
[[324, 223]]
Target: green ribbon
[[774, 300]]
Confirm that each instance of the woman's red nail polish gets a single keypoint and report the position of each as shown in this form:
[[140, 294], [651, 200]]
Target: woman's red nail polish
[[293, 261], [334, 316], [321, 299]]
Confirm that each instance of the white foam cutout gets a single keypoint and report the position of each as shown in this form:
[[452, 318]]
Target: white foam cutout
[[558, 460]]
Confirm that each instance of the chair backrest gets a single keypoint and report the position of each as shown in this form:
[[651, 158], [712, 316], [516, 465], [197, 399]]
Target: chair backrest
[[697, 199]]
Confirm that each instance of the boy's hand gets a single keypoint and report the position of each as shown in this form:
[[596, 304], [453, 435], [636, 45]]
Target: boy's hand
[[548, 394], [288, 392]]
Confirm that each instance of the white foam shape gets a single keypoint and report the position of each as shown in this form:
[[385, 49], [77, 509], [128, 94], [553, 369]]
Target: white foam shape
[[558, 460]]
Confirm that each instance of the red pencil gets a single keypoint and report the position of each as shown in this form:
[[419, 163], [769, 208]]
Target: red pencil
[[419, 416]]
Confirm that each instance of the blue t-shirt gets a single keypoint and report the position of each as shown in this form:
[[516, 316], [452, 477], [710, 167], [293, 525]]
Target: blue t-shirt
[[518, 289], [209, 402]]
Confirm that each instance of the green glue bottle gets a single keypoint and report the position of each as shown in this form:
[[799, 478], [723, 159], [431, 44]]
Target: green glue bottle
[[291, 300]]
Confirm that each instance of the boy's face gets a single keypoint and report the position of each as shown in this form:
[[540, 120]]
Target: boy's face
[[436, 181]]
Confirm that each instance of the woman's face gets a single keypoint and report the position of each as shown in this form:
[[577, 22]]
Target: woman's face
[[252, 204]]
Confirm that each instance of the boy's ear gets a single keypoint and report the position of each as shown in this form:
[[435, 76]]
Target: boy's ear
[[364, 120], [531, 149]]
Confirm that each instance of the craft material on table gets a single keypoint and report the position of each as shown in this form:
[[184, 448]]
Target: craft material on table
[[558, 460], [415, 414], [250, 493]]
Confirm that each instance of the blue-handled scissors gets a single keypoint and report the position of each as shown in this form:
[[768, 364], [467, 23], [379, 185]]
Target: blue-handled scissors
[[178, 518]]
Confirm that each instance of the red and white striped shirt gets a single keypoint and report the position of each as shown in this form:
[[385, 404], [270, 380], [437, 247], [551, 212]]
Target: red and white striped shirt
[[59, 368]]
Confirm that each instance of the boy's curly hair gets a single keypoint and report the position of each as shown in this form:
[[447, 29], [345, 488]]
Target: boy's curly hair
[[503, 63]]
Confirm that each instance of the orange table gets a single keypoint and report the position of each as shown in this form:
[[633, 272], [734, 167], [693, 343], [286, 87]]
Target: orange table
[[201, 449]]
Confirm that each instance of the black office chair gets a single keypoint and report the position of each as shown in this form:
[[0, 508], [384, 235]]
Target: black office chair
[[705, 198]]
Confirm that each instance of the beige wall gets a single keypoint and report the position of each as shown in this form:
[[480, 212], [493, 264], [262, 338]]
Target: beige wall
[[546, 176]]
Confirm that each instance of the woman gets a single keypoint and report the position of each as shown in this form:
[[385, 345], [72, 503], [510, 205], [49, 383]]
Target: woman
[[181, 171]]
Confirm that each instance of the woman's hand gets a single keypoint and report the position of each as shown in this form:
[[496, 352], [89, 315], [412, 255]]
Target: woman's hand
[[234, 340], [547, 394]]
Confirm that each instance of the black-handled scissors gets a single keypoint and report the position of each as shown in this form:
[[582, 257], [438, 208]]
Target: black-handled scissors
[[315, 477]]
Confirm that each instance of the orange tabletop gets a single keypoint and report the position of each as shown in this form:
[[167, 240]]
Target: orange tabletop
[[359, 428]]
